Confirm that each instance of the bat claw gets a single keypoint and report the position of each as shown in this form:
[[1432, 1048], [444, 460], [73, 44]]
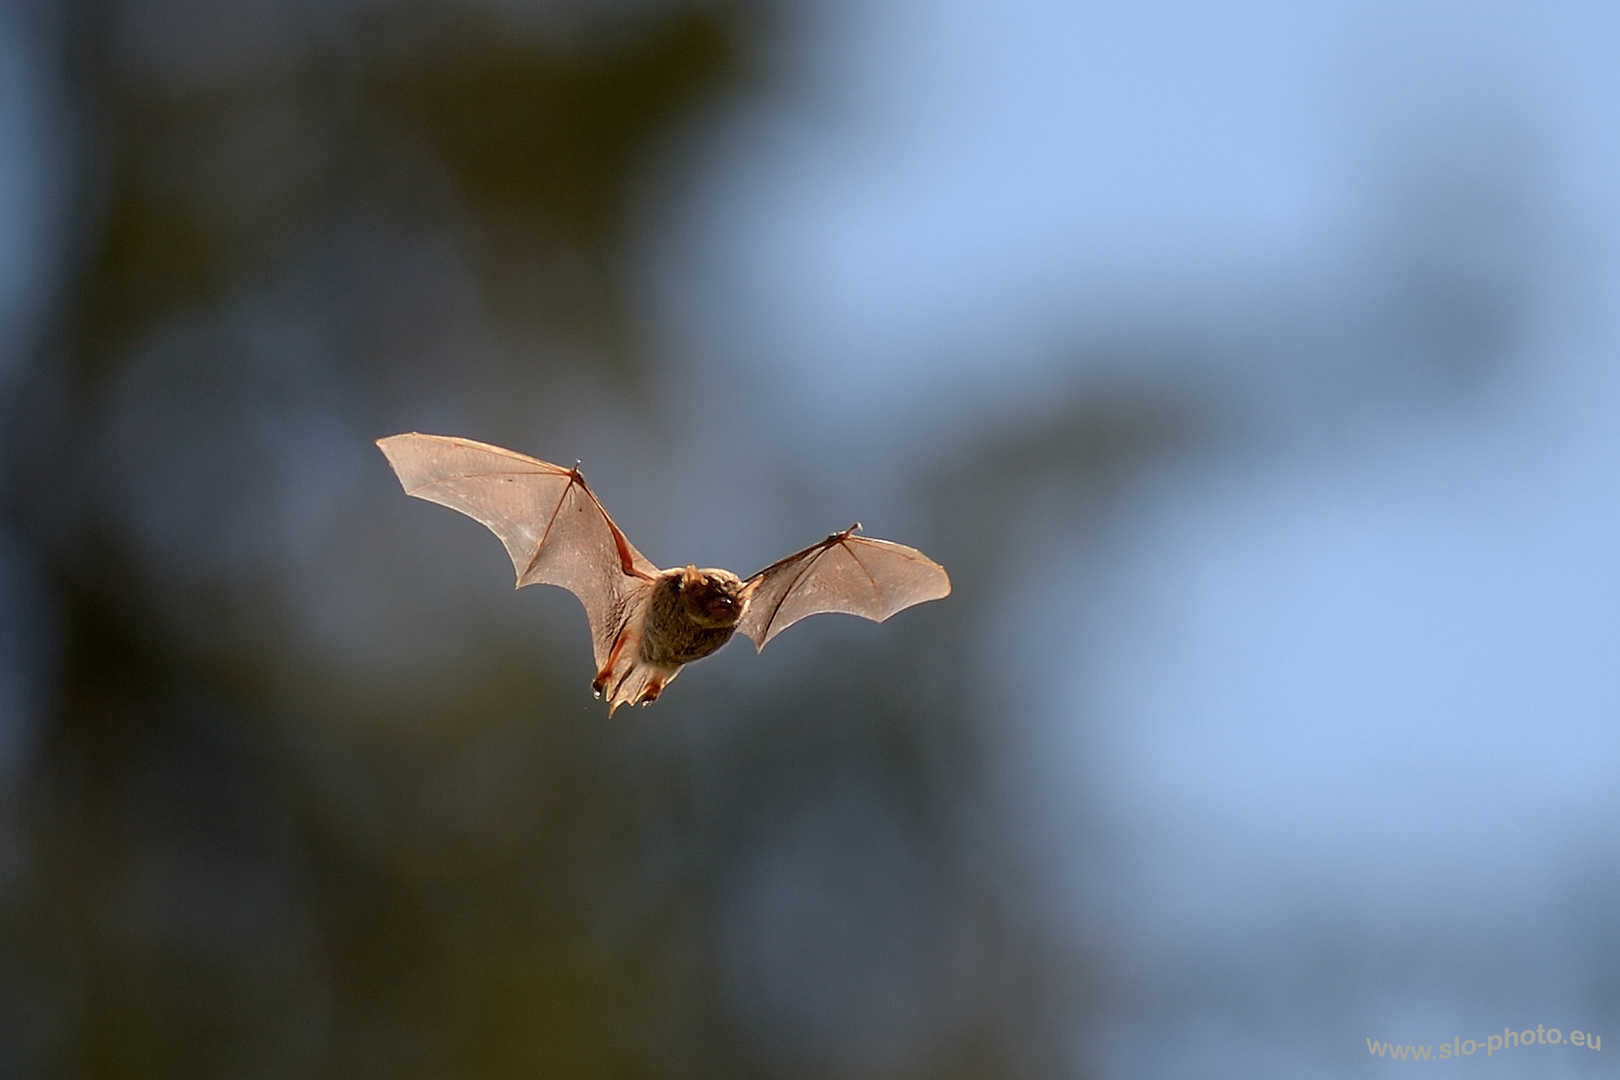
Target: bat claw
[[650, 692]]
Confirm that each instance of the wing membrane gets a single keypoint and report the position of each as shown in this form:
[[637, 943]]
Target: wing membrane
[[550, 523], [845, 573]]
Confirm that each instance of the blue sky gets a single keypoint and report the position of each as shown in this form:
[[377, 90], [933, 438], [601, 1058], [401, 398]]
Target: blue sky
[[1365, 678]]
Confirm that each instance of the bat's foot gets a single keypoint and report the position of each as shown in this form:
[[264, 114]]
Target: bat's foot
[[632, 684], [650, 692]]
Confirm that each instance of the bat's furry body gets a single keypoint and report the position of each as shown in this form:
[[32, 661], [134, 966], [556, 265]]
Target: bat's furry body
[[683, 623], [647, 623]]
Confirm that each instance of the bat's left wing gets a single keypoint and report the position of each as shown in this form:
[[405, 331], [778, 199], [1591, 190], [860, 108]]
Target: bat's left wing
[[548, 520], [848, 573]]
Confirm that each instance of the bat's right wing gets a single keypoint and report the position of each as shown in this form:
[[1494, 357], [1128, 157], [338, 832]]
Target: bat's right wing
[[848, 573], [552, 526]]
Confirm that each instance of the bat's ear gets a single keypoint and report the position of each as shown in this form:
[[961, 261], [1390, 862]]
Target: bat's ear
[[690, 578]]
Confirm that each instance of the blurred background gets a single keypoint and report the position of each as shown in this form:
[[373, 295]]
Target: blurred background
[[1251, 366]]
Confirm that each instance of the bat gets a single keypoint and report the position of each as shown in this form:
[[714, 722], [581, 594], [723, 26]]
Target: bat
[[647, 623]]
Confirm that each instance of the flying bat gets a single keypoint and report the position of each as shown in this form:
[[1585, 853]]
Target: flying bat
[[647, 623]]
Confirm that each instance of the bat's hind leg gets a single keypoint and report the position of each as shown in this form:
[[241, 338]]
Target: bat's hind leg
[[655, 686], [600, 684], [627, 678], [636, 684]]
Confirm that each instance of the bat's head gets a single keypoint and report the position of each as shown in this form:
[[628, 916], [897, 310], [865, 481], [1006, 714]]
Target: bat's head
[[711, 597]]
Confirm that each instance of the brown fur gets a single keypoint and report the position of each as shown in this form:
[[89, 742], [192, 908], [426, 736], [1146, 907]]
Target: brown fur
[[690, 614]]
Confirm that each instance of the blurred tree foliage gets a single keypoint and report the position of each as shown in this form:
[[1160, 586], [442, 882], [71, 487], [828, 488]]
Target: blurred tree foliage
[[206, 181], [261, 835]]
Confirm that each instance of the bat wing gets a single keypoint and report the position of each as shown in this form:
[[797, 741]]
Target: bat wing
[[552, 526], [848, 573]]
